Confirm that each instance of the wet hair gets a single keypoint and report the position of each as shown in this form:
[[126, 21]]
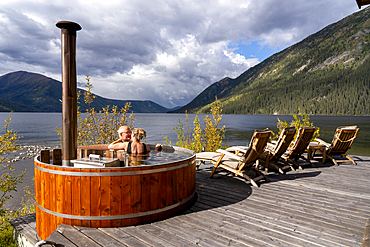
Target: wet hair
[[139, 133]]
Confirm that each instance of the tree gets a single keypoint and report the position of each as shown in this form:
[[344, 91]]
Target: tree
[[300, 120], [99, 127], [210, 138]]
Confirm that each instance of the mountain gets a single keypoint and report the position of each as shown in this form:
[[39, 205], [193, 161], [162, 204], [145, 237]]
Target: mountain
[[327, 73], [29, 92], [174, 108]]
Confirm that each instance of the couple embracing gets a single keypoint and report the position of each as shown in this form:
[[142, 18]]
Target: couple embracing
[[131, 142]]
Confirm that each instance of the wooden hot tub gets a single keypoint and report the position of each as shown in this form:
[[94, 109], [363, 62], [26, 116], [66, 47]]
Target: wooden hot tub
[[111, 196]]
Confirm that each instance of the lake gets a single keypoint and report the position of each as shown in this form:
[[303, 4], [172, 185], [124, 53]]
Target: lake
[[39, 129]]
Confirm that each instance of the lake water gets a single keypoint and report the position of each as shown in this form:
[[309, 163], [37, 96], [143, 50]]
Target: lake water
[[39, 129]]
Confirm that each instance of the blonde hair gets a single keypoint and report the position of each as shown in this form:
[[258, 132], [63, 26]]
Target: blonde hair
[[139, 133]]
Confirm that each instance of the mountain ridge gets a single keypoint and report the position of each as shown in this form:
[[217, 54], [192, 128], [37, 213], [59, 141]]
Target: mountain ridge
[[23, 91], [317, 69]]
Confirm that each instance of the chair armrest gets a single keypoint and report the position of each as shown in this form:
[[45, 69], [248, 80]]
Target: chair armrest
[[241, 150], [237, 148], [322, 142], [270, 146], [234, 156]]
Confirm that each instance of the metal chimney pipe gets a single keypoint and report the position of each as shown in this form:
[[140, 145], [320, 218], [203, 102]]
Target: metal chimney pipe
[[69, 89]]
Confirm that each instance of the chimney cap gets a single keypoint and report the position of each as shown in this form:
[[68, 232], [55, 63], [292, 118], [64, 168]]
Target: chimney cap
[[69, 25]]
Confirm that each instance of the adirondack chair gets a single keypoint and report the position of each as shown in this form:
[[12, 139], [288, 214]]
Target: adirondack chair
[[342, 141], [304, 137], [277, 149], [212, 156], [241, 165]]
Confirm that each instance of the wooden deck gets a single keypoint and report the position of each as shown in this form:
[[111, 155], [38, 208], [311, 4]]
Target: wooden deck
[[323, 206]]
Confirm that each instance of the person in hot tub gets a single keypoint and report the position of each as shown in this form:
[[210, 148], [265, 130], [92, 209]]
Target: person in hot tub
[[125, 138], [124, 133], [136, 146]]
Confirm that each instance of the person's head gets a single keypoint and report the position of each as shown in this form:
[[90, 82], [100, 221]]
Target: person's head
[[124, 133], [138, 134]]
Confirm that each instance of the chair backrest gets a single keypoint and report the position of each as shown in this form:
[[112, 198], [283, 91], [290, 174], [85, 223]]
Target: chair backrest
[[343, 139], [256, 147], [304, 137], [285, 138]]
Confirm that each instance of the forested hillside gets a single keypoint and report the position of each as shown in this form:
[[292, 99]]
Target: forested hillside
[[327, 73]]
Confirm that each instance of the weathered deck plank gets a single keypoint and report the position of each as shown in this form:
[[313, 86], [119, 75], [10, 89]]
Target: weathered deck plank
[[123, 237], [323, 206], [24, 230], [75, 236], [145, 237], [274, 216], [165, 236], [57, 237]]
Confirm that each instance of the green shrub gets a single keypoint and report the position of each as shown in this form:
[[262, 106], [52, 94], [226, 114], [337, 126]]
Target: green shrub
[[8, 181], [300, 120], [210, 138], [6, 229]]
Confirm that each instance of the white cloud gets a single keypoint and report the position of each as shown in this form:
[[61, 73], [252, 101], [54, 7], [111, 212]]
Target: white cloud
[[165, 51]]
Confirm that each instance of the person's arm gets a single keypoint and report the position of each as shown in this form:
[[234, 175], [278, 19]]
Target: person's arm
[[115, 142], [117, 145]]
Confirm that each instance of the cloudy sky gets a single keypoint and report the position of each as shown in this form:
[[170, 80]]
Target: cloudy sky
[[167, 51]]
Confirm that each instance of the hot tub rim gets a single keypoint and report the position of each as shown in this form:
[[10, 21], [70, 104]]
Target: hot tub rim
[[179, 149]]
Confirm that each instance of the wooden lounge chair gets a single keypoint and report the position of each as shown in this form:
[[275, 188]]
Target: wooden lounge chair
[[277, 149], [342, 141], [304, 137], [203, 157], [241, 165]]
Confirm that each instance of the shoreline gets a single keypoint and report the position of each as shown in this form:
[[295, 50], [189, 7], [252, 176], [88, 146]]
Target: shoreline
[[23, 160]]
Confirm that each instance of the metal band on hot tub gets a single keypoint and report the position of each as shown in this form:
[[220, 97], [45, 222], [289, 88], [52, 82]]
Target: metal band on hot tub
[[115, 217], [106, 174]]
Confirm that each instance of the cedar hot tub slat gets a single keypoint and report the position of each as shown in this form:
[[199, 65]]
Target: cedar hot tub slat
[[110, 196]]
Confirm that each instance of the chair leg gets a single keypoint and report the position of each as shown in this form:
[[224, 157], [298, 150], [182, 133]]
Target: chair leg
[[350, 159], [216, 165], [323, 152], [213, 171], [262, 175], [287, 165], [295, 163], [250, 180], [267, 168], [267, 162], [332, 159], [308, 161], [199, 163], [277, 168]]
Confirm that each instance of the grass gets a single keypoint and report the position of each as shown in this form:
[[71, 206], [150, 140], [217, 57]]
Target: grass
[[6, 233]]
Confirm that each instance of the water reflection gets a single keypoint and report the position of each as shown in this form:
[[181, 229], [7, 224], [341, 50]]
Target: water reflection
[[155, 158]]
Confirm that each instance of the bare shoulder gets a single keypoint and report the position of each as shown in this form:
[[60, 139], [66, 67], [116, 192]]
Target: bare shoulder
[[118, 146]]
